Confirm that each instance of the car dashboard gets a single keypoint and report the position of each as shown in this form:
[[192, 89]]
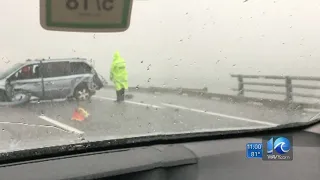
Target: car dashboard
[[221, 159]]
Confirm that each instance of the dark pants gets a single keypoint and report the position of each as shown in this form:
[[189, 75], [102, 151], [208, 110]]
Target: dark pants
[[120, 95]]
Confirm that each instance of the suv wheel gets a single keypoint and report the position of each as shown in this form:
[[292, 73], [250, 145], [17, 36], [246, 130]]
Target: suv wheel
[[82, 93]]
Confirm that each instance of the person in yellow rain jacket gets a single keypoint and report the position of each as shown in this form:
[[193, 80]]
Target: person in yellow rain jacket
[[119, 76]]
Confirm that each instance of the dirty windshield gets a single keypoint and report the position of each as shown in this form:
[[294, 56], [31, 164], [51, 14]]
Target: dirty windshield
[[183, 66]]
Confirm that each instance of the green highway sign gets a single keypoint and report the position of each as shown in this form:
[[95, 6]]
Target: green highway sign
[[85, 15]]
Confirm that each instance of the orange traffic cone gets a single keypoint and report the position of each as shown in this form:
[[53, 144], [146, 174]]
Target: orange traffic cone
[[79, 114], [83, 112]]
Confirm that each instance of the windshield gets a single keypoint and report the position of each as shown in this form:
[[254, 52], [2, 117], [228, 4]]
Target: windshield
[[181, 67], [10, 70]]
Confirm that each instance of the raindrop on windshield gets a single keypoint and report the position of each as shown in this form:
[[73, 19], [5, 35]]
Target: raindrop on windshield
[[141, 62], [149, 79], [234, 65], [6, 60], [137, 87], [81, 138]]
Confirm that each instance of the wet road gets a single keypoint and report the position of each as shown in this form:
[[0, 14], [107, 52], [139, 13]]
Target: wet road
[[37, 123]]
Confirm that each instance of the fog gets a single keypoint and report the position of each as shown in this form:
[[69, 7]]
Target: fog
[[190, 43]]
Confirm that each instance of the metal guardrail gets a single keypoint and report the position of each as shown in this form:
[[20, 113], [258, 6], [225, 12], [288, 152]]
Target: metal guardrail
[[287, 84], [240, 98], [203, 93]]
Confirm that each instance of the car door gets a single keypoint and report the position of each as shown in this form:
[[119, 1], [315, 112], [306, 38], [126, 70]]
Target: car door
[[81, 72], [28, 79], [56, 79]]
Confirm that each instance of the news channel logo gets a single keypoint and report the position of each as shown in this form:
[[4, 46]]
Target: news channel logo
[[277, 148]]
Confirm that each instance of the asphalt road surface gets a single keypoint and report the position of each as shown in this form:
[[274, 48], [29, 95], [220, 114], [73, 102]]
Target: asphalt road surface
[[47, 123]]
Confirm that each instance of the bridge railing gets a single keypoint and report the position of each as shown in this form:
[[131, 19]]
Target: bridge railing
[[287, 84], [242, 89]]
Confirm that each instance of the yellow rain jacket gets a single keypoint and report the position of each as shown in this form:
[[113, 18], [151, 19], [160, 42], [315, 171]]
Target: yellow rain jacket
[[118, 72]]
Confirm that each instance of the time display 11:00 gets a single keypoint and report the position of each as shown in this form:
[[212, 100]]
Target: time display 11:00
[[254, 146]]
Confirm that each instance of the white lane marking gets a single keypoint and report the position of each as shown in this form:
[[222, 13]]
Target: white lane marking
[[315, 116], [220, 115], [35, 125], [215, 98], [63, 126], [255, 103], [311, 110], [130, 102]]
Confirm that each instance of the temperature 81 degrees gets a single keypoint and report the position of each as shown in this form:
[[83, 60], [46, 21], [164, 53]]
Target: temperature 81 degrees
[[254, 150]]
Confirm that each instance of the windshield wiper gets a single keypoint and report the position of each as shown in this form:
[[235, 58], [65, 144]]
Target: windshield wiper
[[297, 124]]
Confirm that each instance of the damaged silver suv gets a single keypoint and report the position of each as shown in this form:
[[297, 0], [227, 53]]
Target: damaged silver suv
[[49, 79]]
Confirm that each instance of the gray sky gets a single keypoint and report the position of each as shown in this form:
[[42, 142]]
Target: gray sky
[[197, 42]]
